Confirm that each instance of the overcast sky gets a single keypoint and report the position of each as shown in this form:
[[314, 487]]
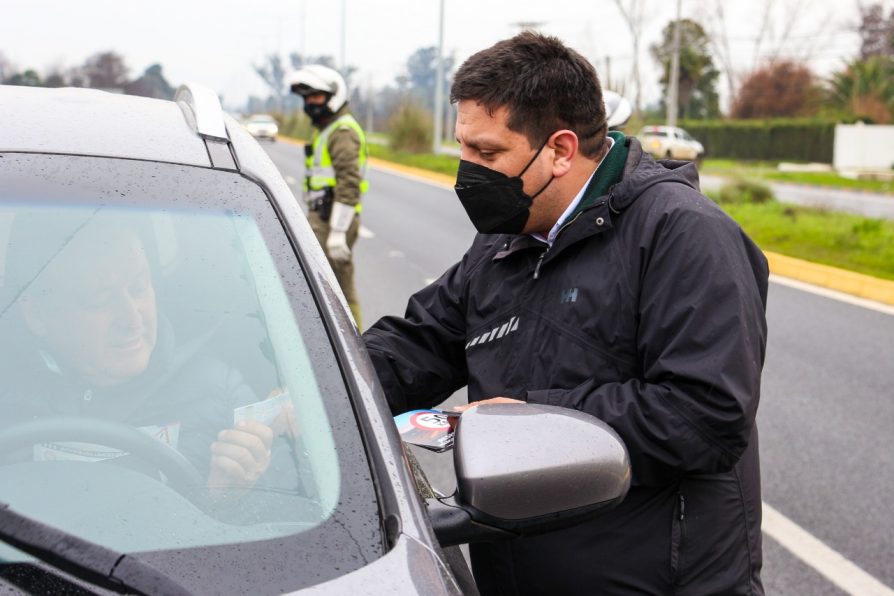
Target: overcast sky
[[217, 42]]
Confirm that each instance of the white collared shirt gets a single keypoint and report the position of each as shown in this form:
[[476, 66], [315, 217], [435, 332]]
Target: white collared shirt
[[573, 205]]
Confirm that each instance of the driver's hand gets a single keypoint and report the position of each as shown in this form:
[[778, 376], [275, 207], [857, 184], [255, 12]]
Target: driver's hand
[[240, 455]]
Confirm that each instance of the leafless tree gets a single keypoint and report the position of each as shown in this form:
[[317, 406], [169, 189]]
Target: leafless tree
[[778, 34], [6, 68], [106, 70], [876, 32], [715, 24], [634, 12], [273, 73]]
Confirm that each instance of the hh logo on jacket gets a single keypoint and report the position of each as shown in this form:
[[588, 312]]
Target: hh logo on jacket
[[569, 295]]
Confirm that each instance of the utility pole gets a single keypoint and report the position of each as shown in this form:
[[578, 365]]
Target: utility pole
[[369, 104], [439, 85], [673, 87], [344, 19]]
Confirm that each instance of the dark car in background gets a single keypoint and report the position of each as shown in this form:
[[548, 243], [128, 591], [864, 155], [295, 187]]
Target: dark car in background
[[162, 296]]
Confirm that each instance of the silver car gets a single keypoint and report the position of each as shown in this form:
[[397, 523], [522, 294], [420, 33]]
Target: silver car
[[262, 126], [185, 404]]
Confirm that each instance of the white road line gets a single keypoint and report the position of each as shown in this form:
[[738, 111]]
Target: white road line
[[365, 232], [826, 561], [833, 294]]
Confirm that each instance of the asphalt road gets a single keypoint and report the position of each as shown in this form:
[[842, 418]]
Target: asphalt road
[[826, 416]]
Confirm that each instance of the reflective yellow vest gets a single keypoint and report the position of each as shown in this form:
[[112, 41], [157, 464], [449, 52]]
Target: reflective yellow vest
[[319, 163]]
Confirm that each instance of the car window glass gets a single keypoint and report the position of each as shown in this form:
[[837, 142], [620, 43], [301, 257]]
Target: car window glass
[[156, 326]]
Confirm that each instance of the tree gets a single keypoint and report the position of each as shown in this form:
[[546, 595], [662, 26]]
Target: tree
[[422, 73], [698, 77], [876, 32], [152, 83], [105, 70], [274, 75], [54, 79], [634, 12], [865, 90], [719, 38], [779, 89], [6, 68], [28, 78]]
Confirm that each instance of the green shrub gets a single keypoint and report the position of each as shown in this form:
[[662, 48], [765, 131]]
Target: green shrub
[[296, 125], [778, 139], [742, 192], [410, 129]]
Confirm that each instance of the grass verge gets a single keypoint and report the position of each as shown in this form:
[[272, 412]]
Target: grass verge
[[842, 240], [444, 164], [768, 171]]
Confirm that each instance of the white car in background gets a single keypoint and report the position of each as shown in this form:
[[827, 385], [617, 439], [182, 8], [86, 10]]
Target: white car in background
[[670, 142], [262, 126]]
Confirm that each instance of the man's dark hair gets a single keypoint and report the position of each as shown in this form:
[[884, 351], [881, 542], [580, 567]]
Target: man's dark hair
[[545, 85]]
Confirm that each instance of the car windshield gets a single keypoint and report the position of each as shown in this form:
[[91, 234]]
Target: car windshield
[[168, 385]]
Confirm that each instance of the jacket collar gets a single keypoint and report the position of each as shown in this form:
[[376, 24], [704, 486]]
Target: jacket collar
[[640, 173]]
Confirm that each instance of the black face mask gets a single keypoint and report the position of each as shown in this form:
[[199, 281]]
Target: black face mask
[[317, 112], [495, 202]]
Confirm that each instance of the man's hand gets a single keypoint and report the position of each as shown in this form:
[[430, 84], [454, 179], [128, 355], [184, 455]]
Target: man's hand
[[240, 455], [493, 400], [337, 247]]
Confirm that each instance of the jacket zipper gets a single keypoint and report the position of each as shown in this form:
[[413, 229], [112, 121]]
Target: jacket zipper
[[539, 263], [544, 253]]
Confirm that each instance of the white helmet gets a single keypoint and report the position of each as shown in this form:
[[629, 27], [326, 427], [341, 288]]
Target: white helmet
[[617, 110], [314, 78]]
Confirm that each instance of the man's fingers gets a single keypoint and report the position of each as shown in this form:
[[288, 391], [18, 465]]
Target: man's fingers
[[224, 467], [258, 429], [244, 458], [254, 436]]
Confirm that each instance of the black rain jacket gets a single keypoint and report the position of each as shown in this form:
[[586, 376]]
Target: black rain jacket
[[648, 312]]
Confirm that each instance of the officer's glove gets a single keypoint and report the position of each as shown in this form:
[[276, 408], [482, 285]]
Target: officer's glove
[[337, 241]]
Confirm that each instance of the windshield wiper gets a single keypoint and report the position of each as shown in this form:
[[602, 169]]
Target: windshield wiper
[[83, 559]]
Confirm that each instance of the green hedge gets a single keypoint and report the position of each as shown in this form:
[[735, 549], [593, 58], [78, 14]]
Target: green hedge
[[770, 140]]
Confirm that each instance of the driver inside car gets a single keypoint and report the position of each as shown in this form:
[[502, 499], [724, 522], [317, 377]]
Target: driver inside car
[[91, 342]]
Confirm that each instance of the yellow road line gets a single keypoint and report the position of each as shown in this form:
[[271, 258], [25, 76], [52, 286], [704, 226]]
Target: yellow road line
[[841, 280]]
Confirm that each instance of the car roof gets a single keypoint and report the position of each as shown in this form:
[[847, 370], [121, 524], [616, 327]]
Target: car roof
[[92, 122]]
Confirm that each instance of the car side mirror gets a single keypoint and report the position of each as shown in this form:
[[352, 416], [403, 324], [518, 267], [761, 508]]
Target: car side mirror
[[529, 468]]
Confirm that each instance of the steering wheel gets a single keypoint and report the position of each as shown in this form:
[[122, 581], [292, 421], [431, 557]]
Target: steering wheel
[[181, 474]]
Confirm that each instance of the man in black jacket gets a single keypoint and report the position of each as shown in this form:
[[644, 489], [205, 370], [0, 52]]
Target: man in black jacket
[[601, 281]]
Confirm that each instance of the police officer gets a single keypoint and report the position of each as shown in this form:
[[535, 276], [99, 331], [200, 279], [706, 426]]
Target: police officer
[[335, 166]]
